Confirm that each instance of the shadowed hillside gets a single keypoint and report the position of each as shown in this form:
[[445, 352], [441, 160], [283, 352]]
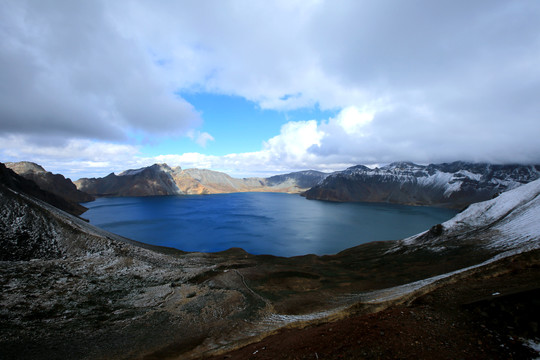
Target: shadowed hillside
[[453, 185]]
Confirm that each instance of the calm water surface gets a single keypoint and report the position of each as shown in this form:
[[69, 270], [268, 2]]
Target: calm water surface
[[260, 223]]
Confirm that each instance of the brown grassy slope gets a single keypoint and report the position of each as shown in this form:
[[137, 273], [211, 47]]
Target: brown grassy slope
[[461, 319]]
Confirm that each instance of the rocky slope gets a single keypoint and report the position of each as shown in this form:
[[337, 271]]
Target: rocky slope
[[150, 181], [54, 183], [301, 179], [160, 179], [23, 184], [70, 290], [454, 185]]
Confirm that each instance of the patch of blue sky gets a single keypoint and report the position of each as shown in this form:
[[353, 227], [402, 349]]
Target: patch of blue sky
[[236, 124]]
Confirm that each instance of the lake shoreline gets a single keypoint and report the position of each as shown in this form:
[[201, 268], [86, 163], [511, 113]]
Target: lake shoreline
[[261, 223]]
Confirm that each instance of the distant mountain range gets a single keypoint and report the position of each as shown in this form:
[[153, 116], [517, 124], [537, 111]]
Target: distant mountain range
[[161, 179], [453, 185]]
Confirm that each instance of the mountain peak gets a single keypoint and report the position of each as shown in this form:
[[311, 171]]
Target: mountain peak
[[161, 166], [403, 164], [23, 167], [455, 185], [357, 167], [155, 167], [53, 189]]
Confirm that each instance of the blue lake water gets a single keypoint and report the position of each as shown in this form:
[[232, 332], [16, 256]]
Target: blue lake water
[[260, 223]]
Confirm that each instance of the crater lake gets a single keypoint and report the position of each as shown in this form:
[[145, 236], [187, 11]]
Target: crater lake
[[260, 223]]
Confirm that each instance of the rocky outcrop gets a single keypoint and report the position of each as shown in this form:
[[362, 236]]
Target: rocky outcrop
[[454, 185], [160, 179], [301, 179], [23, 184], [150, 181], [53, 183], [215, 182]]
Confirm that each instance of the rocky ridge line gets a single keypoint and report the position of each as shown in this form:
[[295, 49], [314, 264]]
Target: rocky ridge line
[[53, 183], [27, 185], [453, 185], [161, 179]]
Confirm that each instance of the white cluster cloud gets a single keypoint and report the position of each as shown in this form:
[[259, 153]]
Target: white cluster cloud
[[423, 81], [299, 146], [76, 158], [200, 138]]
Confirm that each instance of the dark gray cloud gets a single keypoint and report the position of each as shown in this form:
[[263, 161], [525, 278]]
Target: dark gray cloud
[[457, 80], [66, 70]]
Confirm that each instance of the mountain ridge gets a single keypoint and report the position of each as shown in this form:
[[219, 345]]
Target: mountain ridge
[[46, 180], [161, 179], [28, 185], [454, 185]]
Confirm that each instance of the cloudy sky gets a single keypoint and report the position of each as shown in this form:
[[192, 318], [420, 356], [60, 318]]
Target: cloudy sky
[[259, 87]]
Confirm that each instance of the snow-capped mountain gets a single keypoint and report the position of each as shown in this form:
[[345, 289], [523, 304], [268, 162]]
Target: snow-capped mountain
[[508, 223], [455, 185]]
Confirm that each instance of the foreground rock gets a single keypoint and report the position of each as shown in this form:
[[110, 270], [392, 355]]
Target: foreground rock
[[70, 290], [453, 185], [160, 179]]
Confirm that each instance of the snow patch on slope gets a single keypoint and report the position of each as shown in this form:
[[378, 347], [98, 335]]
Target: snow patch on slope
[[131, 172], [486, 212], [445, 176], [512, 220], [521, 227]]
